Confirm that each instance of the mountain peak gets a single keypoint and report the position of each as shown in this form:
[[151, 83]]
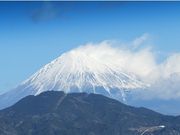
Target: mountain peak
[[81, 70], [85, 69]]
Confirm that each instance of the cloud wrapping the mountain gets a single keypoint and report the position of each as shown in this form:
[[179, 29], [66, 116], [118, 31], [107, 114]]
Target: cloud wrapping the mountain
[[163, 78]]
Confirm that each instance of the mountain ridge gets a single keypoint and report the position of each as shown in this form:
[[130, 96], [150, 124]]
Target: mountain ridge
[[55, 112]]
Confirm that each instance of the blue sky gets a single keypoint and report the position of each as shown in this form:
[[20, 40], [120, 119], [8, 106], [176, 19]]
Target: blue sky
[[34, 33]]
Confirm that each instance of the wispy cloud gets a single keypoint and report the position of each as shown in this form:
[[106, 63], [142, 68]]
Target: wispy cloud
[[45, 13], [140, 40]]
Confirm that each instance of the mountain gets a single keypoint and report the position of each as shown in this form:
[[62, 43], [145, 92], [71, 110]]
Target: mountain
[[54, 113], [76, 71]]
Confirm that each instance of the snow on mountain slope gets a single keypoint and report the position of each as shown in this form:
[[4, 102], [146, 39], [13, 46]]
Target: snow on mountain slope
[[80, 70]]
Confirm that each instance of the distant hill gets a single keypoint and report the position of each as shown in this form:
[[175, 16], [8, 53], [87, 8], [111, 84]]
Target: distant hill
[[57, 113]]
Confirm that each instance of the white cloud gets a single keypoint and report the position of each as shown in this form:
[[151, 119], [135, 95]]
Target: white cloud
[[139, 62], [164, 77], [166, 83], [140, 40]]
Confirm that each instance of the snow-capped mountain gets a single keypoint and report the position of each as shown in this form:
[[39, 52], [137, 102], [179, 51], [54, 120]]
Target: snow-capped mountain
[[76, 71]]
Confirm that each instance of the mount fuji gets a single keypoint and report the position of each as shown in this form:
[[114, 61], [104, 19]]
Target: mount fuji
[[79, 70]]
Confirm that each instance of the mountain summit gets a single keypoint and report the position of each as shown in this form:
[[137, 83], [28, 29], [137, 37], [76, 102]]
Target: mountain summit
[[84, 69]]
